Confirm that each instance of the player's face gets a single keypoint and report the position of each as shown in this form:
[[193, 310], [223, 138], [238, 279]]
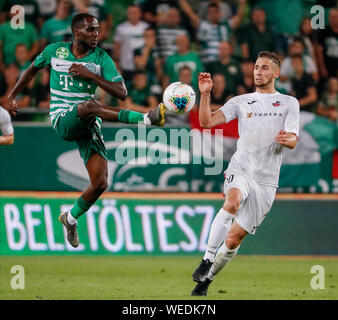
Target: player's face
[[89, 32], [265, 72]]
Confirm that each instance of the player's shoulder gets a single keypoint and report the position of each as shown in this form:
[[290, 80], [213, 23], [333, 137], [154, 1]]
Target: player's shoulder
[[243, 97], [288, 99], [54, 46]]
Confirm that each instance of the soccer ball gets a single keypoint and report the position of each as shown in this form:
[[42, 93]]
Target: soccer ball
[[179, 98]]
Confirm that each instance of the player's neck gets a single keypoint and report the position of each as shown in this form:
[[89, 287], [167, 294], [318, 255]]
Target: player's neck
[[269, 89], [78, 50]]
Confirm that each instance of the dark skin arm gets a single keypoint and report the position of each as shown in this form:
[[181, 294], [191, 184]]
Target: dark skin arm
[[116, 89], [26, 77]]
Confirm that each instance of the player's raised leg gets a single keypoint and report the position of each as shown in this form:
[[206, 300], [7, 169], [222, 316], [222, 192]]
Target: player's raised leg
[[218, 232], [88, 110], [98, 173]]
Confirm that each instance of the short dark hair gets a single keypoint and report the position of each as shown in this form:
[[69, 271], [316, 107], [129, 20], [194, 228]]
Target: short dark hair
[[78, 19], [213, 5], [271, 55], [298, 39]]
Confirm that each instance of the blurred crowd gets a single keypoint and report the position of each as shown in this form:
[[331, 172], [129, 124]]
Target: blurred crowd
[[163, 41]]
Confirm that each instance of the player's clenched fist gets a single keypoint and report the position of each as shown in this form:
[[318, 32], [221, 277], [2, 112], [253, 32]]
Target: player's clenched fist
[[204, 82], [78, 70]]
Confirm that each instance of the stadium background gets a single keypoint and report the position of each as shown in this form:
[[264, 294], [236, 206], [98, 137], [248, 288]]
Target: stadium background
[[166, 210]]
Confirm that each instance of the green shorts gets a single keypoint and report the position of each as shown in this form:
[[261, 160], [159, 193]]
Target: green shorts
[[88, 137]]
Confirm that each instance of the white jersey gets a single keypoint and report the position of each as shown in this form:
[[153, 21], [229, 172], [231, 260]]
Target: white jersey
[[260, 118], [6, 127], [131, 38]]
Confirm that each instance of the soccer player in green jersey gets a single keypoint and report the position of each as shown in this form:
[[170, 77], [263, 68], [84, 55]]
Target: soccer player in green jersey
[[76, 69]]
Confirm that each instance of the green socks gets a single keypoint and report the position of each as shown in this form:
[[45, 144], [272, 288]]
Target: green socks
[[80, 207], [128, 116]]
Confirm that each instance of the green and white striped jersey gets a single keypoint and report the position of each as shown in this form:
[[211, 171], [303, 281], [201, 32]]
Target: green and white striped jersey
[[67, 91], [209, 36]]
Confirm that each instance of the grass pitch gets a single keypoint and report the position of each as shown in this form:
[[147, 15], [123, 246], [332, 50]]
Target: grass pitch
[[167, 278]]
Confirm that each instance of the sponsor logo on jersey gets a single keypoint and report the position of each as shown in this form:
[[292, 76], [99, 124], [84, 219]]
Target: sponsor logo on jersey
[[62, 53], [251, 102], [263, 114], [91, 67], [276, 104]]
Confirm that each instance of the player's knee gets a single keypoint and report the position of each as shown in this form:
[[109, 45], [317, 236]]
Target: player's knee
[[88, 110], [232, 205]]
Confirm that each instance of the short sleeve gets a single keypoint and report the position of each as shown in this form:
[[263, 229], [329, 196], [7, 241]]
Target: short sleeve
[[6, 127], [44, 58], [45, 30], [310, 64], [230, 109], [118, 35], [291, 123], [109, 71]]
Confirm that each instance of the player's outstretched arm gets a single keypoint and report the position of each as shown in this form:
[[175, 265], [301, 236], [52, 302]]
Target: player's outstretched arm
[[23, 81], [206, 117], [287, 139], [116, 89]]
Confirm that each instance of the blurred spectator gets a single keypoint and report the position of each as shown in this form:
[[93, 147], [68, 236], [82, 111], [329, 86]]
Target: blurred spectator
[[10, 38], [328, 102], [308, 36], [58, 28], [227, 66], [183, 57], [47, 8], [41, 90], [247, 85], [303, 86], [147, 59], [185, 76], [139, 96], [284, 16], [296, 49], [219, 93], [128, 38], [212, 31], [32, 11], [257, 36], [100, 10], [21, 57], [11, 74], [225, 9], [168, 33], [327, 47], [155, 12]]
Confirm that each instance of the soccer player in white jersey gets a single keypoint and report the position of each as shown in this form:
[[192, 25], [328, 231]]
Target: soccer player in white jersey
[[6, 128], [268, 121]]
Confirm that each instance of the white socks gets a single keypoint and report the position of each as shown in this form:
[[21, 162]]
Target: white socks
[[146, 119], [224, 256], [219, 229], [71, 219]]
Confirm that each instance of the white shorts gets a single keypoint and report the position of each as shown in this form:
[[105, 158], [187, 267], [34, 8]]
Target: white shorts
[[256, 202]]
